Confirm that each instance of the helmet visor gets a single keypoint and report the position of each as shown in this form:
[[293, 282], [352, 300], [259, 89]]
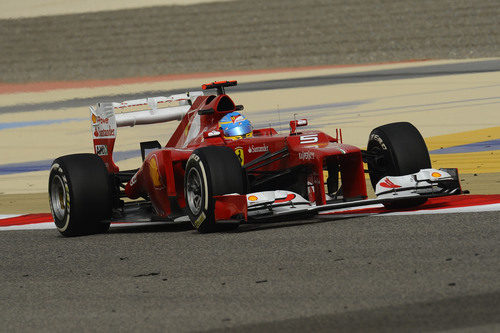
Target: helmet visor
[[242, 129]]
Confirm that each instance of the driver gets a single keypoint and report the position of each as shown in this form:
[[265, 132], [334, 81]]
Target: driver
[[235, 126]]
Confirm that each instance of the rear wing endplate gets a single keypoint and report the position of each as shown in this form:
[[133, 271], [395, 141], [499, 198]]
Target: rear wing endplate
[[107, 117]]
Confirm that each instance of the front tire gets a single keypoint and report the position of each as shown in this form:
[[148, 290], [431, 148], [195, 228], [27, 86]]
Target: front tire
[[210, 171], [80, 194], [400, 149]]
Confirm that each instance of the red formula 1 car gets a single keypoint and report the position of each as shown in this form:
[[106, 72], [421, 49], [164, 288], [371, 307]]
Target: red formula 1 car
[[221, 181]]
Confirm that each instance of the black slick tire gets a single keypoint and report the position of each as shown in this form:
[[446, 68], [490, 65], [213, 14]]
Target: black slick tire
[[400, 150], [80, 194], [210, 171]]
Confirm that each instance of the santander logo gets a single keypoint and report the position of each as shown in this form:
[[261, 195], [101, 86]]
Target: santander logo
[[388, 184]]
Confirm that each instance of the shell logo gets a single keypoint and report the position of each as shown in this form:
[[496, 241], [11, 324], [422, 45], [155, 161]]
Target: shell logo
[[154, 173], [94, 119], [252, 198]]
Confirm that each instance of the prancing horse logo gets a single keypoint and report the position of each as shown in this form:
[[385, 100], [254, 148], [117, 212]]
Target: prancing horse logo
[[241, 155]]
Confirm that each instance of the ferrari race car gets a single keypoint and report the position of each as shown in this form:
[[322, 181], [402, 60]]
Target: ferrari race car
[[219, 180]]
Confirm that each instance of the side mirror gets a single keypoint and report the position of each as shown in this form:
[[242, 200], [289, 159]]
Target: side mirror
[[297, 123], [211, 134]]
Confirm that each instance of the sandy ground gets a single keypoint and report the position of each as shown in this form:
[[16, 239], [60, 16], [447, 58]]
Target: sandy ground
[[436, 105], [449, 110]]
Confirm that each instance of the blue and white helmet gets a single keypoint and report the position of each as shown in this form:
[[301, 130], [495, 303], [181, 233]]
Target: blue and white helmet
[[235, 126]]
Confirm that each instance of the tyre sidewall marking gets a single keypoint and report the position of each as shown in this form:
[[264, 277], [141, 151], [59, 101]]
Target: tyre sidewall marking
[[387, 150], [376, 137], [205, 187], [201, 167], [199, 220]]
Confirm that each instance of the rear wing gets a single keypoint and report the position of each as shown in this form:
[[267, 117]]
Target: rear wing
[[143, 111], [107, 117]]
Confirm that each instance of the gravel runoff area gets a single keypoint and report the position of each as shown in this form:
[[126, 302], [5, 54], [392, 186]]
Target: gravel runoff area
[[244, 35]]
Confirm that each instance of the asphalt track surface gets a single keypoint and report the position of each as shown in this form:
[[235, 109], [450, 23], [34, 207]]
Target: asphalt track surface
[[246, 34], [365, 274]]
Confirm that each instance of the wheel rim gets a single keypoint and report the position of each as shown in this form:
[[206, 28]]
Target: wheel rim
[[194, 191], [379, 167], [58, 197]]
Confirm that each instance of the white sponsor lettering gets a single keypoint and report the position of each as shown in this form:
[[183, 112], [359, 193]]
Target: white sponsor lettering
[[259, 149], [213, 133], [379, 140], [106, 132], [101, 120], [307, 155], [133, 180]]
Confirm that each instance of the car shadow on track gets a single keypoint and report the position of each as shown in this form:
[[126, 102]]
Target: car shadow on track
[[479, 312], [163, 227], [258, 226], [247, 227]]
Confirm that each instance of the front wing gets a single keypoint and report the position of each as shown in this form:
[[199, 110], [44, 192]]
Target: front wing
[[270, 205], [427, 183]]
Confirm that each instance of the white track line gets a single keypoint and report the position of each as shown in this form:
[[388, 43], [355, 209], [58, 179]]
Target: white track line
[[470, 209], [9, 216], [481, 208], [51, 225]]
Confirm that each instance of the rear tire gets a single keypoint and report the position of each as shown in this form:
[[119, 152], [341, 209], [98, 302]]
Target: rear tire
[[210, 171], [400, 150], [80, 194]]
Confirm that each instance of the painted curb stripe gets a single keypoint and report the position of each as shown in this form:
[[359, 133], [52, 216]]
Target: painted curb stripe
[[45, 221], [26, 219], [44, 165], [20, 124], [6, 88], [51, 225], [453, 204], [470, 148], [433, 204]]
